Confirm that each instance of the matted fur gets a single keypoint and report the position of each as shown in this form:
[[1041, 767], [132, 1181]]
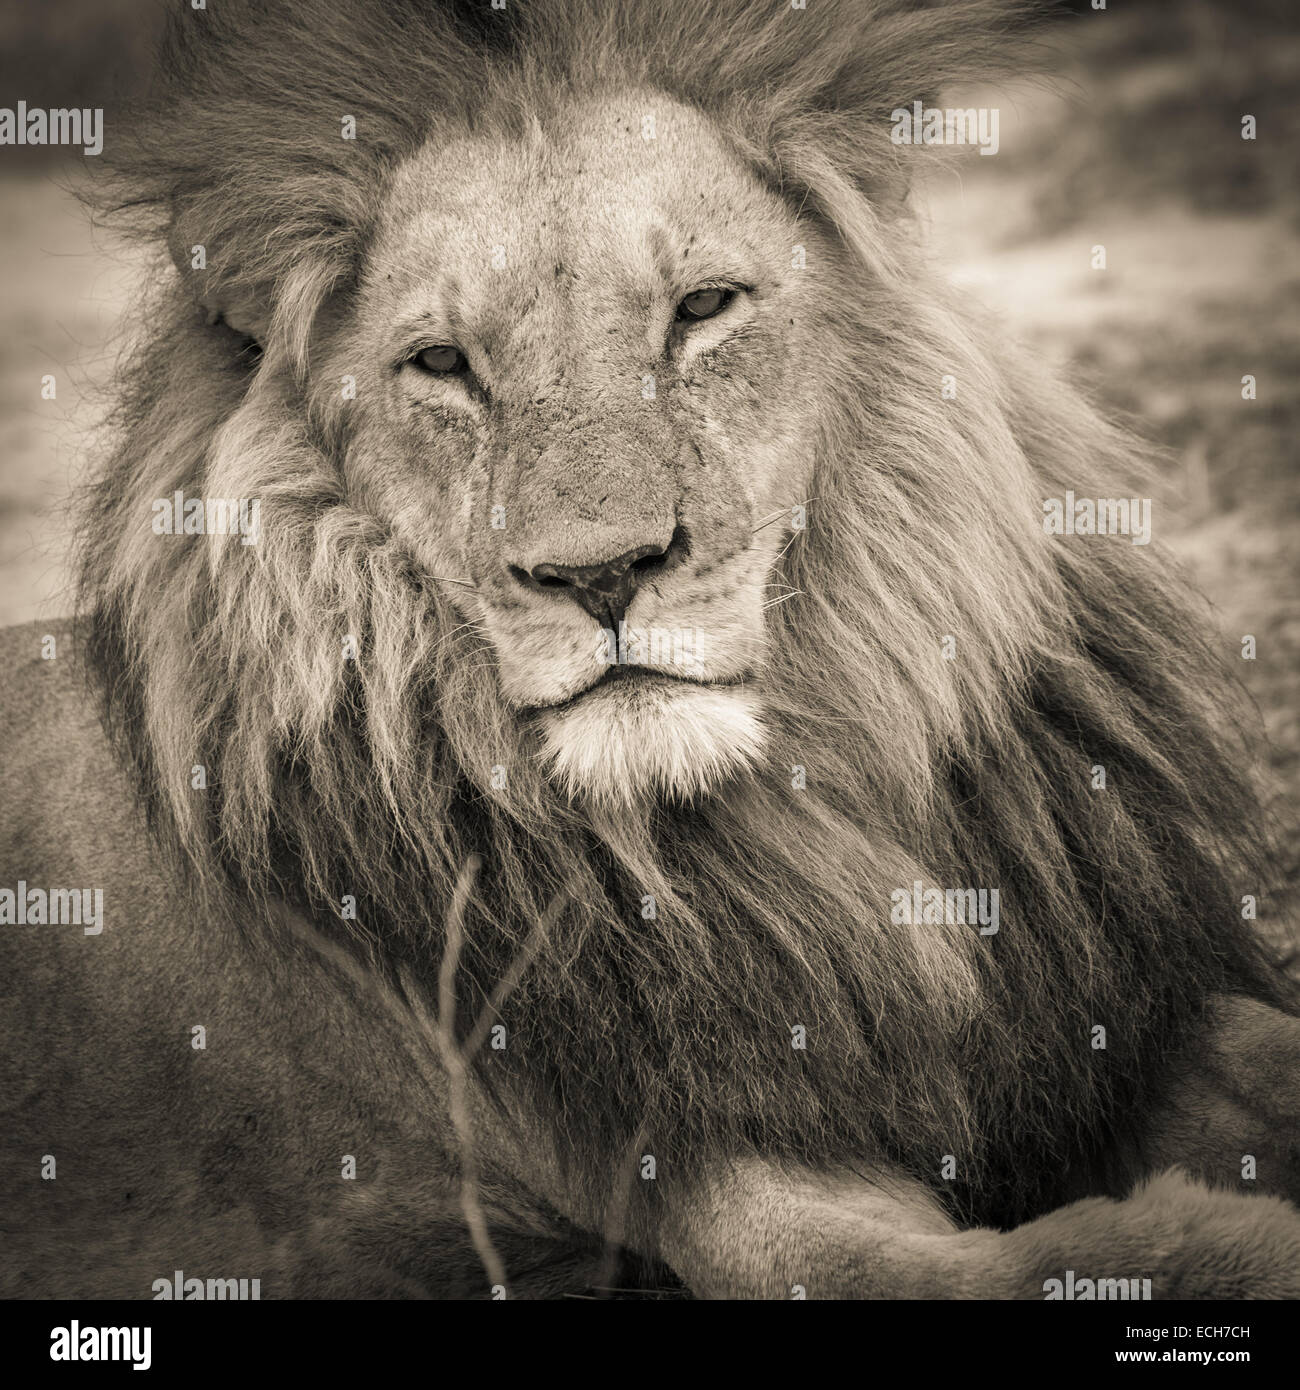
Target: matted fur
[[372, 778]]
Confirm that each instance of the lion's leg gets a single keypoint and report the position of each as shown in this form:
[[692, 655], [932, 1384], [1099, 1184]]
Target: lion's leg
[[759, 1232], [1232, 1113]]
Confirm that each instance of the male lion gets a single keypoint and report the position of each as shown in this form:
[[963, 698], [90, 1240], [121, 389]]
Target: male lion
[[508, 837]]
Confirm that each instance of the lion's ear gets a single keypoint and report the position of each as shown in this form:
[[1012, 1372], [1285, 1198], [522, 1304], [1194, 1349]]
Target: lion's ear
[[223, 299], [831, 92]]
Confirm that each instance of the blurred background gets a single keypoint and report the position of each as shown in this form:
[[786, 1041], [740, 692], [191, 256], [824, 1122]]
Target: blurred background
[[1131, 141]]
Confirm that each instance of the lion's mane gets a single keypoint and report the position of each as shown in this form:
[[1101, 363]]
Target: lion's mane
[[372, 778]]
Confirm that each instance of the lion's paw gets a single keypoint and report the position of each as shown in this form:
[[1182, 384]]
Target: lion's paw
[[1189, 1240], [1217, 1244]]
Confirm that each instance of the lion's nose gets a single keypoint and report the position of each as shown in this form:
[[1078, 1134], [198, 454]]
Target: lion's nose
[[605, 590]]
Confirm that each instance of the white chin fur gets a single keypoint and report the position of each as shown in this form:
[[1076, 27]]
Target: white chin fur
[[632, 740]]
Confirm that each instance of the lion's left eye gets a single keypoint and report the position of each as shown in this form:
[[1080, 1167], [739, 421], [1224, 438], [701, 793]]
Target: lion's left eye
[[441, 361], [704, 304]]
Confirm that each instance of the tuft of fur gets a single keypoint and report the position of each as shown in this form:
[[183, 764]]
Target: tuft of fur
[[680, 740], [372, 778]]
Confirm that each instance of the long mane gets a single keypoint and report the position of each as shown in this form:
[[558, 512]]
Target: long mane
[[329, 778]]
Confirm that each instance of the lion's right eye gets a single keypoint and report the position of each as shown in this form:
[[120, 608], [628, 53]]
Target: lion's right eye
[[441, 361], [704, 304]]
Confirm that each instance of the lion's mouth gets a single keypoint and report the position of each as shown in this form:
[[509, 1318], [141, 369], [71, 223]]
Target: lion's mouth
[[639, 676]]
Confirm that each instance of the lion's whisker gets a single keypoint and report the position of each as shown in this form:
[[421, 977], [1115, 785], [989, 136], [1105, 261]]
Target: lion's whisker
[[780, 511], [785, 548], [447, 636]]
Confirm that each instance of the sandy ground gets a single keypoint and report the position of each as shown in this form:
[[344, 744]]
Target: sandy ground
[[65, 293]]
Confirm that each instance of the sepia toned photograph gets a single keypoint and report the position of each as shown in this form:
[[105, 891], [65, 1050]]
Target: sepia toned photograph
[[650, 654]]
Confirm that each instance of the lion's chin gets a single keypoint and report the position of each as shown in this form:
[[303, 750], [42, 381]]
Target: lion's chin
[[650, 737]]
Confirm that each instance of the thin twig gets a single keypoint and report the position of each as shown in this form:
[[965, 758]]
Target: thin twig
[[457, 1059], [506, 984], [456, 1068], [437, 1054], [615, 1224]]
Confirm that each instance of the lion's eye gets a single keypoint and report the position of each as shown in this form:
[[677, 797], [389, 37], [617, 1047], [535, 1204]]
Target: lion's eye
[[703, 304], [441, 361]]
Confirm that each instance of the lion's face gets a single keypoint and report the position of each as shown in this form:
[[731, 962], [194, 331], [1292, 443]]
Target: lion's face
[[587, 370]]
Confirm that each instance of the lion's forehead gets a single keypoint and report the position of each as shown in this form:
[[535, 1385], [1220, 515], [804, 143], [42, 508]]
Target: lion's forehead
[[606, 206]]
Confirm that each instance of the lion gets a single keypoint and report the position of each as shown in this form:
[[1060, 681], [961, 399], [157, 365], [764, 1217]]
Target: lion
[[542, 629]]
